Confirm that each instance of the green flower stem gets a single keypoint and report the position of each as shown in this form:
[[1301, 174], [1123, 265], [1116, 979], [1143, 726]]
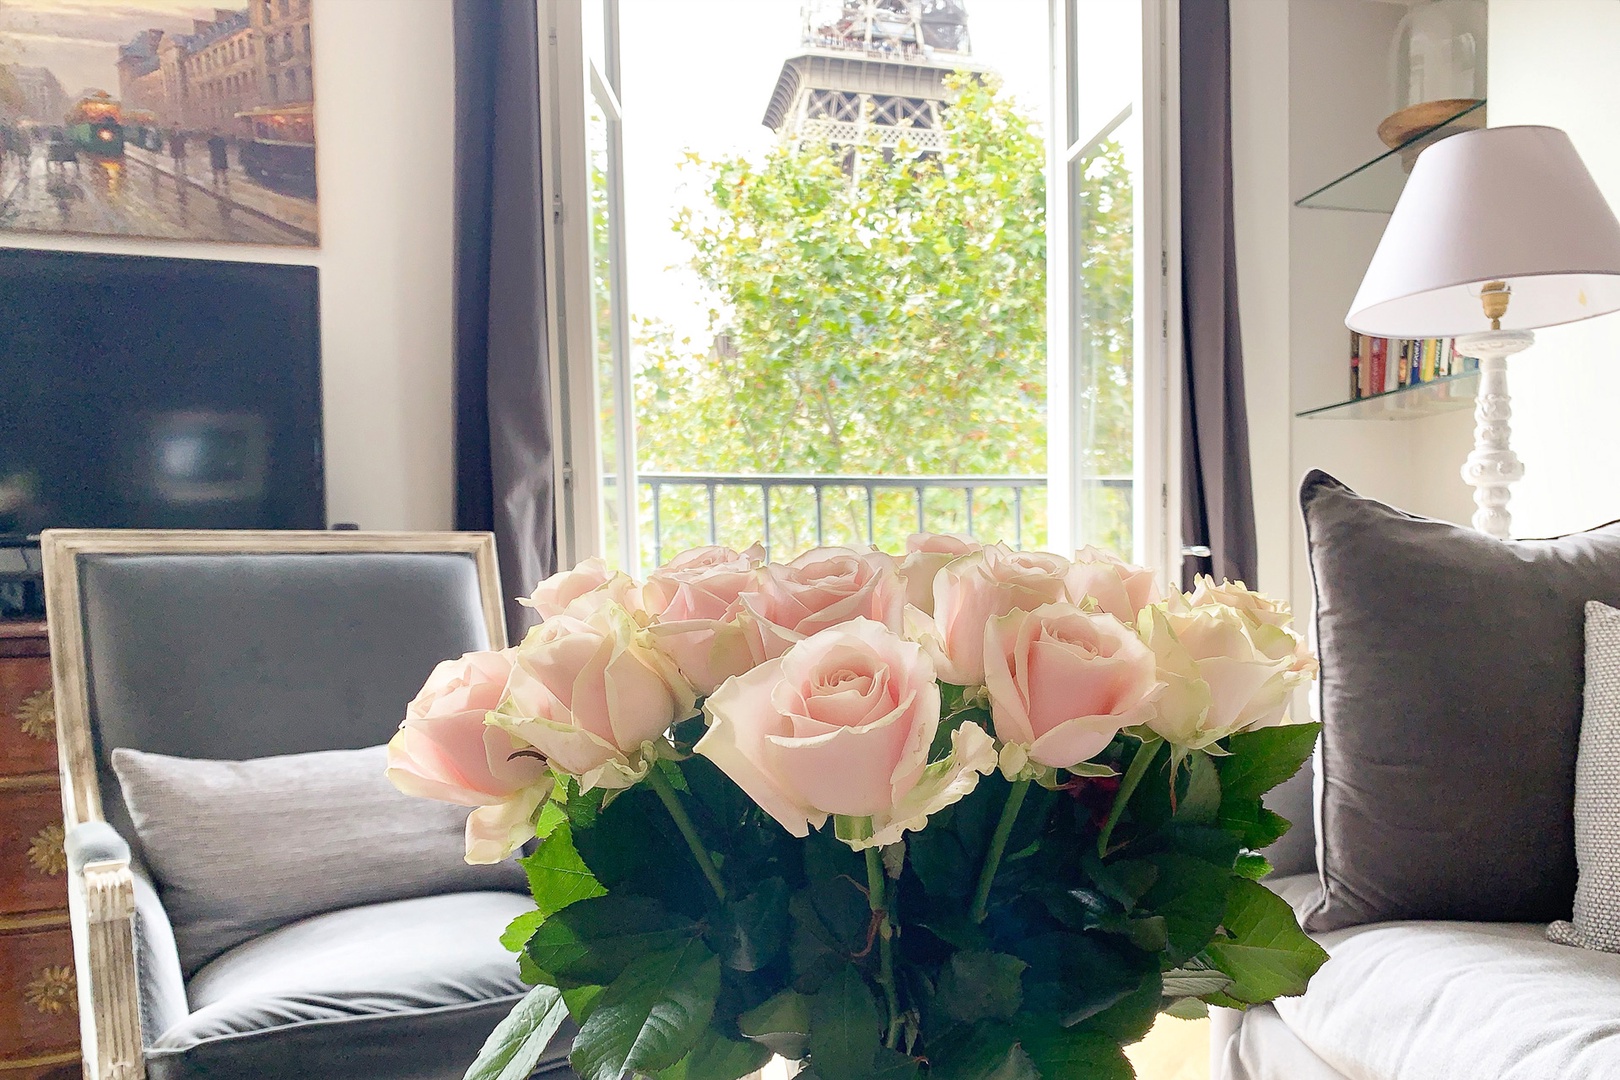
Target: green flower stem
[[1133, 776], [659, 784], [998, 847], [877, 888]]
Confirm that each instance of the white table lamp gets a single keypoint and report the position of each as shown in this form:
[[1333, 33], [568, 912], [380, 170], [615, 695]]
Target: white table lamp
[[1498, 232]]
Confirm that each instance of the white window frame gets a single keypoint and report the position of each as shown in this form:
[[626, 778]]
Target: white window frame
[[569, 77], [1156, 292], [570, 80]]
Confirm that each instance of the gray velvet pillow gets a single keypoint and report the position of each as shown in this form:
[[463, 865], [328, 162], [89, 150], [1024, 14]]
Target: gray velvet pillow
[[1451, 709], [239, 848]]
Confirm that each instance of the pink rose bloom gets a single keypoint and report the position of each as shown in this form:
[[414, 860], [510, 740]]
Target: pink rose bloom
[[553, 596], [1063, 681], [820, 589], [444, 750], [841, 724], [1119, 588], [1218, 680], [692, 602], [972, 590], [926, 556], [589, 691], [1270, 620]]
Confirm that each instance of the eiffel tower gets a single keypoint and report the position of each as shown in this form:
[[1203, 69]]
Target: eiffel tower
[[872, 73]]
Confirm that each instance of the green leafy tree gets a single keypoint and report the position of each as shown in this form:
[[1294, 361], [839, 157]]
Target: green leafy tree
[[884, 314]]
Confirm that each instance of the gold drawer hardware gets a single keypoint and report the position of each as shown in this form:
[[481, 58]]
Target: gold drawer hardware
[[47, 852], [37, 714], [53, 991]]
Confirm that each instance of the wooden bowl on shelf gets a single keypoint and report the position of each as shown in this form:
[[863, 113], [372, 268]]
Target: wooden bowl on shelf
[[1405, 124]]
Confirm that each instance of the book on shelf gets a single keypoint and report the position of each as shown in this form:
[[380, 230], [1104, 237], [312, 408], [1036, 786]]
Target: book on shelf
[[1380, 365]]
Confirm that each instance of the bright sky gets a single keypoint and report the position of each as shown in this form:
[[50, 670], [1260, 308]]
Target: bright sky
[[699, 73], [78, 39]]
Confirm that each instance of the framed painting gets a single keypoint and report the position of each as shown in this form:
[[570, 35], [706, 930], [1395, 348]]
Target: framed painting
[[168, 119]]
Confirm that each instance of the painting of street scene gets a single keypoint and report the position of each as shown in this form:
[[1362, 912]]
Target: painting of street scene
[[168, 119]]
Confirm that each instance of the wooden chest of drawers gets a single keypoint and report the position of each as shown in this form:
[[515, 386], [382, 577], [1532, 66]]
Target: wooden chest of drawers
[[39, 1018]]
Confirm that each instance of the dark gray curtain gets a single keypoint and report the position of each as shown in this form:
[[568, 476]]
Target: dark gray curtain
[[503, 445], [1218, 494]]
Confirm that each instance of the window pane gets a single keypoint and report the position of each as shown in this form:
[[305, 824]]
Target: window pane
[[599, 141], [1103, 346], [1105, 257], [839, 320]]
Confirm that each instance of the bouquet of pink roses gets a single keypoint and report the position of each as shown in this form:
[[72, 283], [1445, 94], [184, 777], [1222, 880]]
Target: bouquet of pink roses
[[965, 814]]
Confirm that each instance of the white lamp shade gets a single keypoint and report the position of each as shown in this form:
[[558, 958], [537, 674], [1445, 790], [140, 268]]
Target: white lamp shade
[[1512, 204]]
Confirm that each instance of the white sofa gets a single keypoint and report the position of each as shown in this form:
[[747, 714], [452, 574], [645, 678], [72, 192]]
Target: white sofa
[[1424, 1000]]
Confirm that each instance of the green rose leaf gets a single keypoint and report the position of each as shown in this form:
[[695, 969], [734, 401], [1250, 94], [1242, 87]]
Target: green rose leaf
[[716, 1057], [514, 1048], [594, 940], [1190, 895], [521, 929], [971, 1051], [981, 985], [749, 933], [1077, 975], [1195, 978], [781, 1024], [581, 1001], [651, 1016], [1200, 802], [1132, 1016], [893, 1065], [557, 875], [1267, 955], [1069, 1054], [844, 1036], [1253, 865], [1190, 1008], [1254, 825], [1125, 880], [1260, 760]]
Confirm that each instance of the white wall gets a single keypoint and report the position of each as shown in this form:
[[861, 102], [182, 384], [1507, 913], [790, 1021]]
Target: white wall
[[1554, 63], [384, 76], [1260, 201], [1309, 88]]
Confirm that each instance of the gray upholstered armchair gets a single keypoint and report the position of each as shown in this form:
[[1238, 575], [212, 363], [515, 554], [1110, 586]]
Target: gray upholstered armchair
[[234, 646]]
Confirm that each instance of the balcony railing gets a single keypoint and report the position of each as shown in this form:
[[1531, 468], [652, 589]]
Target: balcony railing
[[791, 512]]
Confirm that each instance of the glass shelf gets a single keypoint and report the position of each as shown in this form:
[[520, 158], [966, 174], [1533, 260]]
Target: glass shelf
[[1376, 186], [1436, 396]]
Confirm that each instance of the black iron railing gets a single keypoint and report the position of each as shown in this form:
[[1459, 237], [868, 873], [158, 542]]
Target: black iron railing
[[854, 494]]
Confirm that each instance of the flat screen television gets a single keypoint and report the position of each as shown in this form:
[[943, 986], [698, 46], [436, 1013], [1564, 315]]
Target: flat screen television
[[142, 392]]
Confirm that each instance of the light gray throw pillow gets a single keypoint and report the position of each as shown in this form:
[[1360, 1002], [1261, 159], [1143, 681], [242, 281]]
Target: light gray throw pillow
[[239, 848], [1597, 792]]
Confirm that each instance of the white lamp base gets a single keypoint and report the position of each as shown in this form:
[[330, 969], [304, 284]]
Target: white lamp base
[[1493, 466]]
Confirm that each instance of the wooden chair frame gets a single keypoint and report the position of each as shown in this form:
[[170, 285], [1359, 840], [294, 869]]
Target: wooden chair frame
[[101, 894]]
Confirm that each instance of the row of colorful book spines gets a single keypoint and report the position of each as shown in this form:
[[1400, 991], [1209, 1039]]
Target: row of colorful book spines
[[1379, 365]]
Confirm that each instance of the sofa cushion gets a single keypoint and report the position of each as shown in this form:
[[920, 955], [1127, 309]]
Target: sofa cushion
[[407, 990], [1444, 1000], [1451, 706], [1258, 1045], [238, 848], [1596, 924]]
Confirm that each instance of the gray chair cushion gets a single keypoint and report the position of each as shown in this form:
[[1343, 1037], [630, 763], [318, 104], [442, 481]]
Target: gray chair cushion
[[407, 990], [237, 656], [239, 848], [1451, 707]]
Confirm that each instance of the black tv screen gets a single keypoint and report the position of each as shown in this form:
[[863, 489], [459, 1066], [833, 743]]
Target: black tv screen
[[158, 393]]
